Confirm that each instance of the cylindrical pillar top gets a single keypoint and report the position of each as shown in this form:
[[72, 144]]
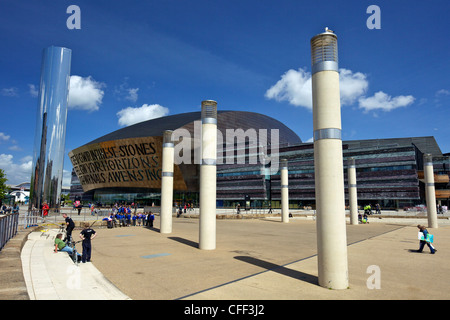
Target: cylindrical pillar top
[[351, 161], [167, 136], [427, 158], [283, 163], [209, 109], [324, 52]]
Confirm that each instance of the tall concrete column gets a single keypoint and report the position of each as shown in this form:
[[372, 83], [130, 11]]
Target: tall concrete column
[[50, 134], [430, 192], [352, 191], [207, 234], [328, 163], [284, 191], [167, 182]]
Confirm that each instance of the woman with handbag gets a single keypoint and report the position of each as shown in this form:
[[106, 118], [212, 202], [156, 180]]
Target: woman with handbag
[[424, 238]]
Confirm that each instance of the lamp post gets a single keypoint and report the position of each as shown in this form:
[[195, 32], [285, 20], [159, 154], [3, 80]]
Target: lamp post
[[352, 191], [284, 191], [208, 182], [430, 191], [167, 182], [328, 163]]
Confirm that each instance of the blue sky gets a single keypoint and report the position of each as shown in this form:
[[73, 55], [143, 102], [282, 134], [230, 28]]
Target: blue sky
[[142, 59]]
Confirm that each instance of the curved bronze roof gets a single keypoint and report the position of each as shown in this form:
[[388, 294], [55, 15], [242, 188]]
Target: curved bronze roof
[[225, 120]]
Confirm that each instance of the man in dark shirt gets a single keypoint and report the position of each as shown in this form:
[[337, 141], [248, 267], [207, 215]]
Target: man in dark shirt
[[87, 234], [70, 226]]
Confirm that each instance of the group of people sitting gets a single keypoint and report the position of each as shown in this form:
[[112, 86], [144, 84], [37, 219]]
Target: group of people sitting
[[126, 219], [363, 218]]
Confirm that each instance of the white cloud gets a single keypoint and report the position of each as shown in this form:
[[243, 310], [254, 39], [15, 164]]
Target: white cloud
[[4, 137], [15, 148], [9, 92], [85, 93], [33, 90], [384, 102], [352, 86], [16, 172], [124, 92], [21, 172], [132, 94], [443, 92], [129, 116], [295, 87]]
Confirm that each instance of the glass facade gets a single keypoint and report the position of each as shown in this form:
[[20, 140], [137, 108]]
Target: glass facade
[[384, 175]]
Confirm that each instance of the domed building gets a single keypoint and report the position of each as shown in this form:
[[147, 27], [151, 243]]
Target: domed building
[[125, 165]]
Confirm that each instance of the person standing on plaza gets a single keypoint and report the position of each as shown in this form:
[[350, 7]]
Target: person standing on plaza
[[423, 240], [70, 225], [128, 215], [78, 206], [139, 219], [151, 218], [45, 209], [378, 209], [87, 235]]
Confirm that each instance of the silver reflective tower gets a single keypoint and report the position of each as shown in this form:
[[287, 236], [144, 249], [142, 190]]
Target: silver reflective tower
[[50, 135]]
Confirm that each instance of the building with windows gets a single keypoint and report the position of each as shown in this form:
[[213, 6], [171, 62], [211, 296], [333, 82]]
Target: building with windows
[[125, 165], [389, 172], [21, 191]]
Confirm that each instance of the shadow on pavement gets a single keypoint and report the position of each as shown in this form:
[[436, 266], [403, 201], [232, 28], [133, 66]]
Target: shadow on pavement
[[279, 269], [185, 241]]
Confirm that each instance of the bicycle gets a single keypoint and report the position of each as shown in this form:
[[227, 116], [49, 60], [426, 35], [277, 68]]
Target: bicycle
[[75, 256]]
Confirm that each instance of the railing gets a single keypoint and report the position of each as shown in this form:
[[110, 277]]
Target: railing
[[8, 227], [30, 219]]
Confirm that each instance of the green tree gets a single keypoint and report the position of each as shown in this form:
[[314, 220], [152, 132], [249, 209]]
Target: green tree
[[3, 187]]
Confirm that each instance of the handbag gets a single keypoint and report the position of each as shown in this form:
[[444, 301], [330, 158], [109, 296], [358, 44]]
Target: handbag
[[430, 237]]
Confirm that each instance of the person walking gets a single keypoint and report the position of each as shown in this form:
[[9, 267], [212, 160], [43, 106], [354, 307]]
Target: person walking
[[87, 234], [424, 239]]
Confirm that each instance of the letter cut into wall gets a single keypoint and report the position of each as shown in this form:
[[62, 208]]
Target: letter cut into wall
[[126, 163]]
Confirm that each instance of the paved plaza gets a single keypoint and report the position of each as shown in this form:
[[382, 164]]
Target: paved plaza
[[255, 259]]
